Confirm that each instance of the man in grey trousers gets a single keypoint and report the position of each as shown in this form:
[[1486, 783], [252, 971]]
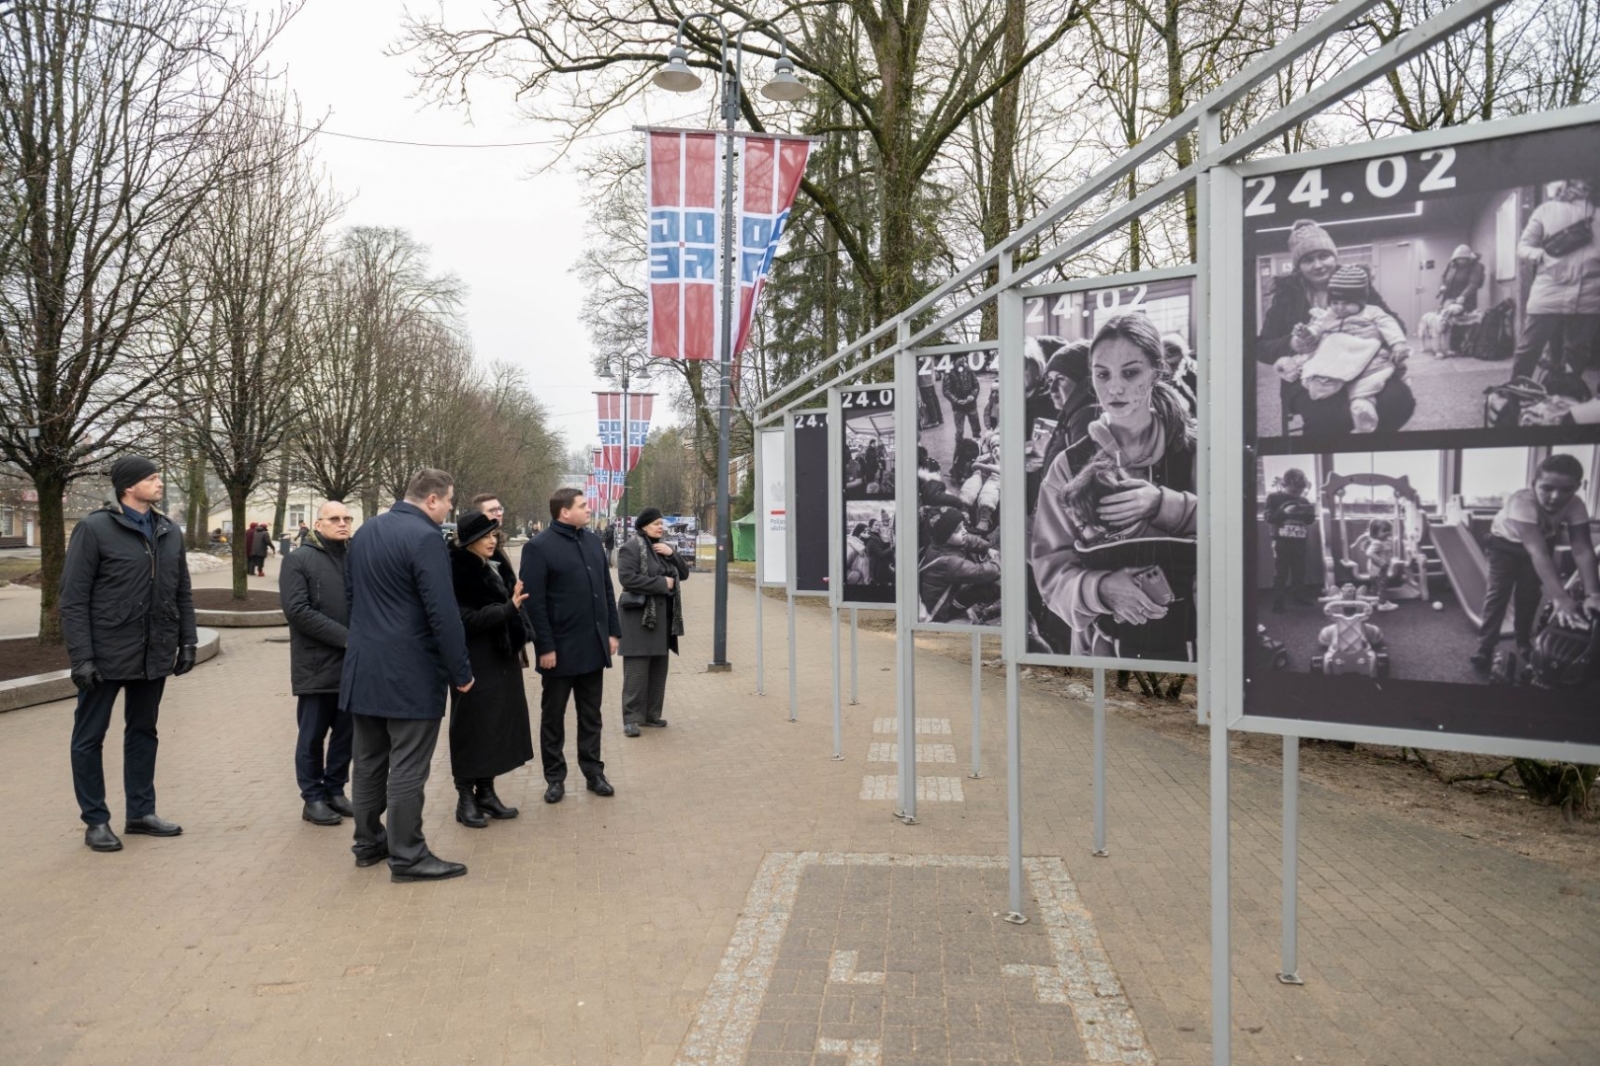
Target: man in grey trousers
[[406, 647]]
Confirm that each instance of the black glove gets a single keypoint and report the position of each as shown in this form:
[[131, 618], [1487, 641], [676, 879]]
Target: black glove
[[86, 675], [185, 661]]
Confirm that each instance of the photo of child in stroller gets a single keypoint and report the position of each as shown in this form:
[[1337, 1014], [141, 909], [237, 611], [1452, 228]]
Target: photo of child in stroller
[[1423, 575], [1497, 290]]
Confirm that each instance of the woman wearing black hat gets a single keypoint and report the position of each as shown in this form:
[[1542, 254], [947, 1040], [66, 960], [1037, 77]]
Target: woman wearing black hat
[[651, 610], [489, 730]]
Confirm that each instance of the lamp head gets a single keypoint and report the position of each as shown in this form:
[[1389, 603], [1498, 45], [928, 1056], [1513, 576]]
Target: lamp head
[[784, 85], [675, 76]]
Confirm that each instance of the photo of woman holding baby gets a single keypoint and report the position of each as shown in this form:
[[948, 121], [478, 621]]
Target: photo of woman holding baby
[[1112, 544], [1300, 300]]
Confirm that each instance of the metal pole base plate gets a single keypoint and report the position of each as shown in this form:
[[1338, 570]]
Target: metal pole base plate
[[1100, 853], [908, 819], [718, 668], [1290, 979], [975, 777], [1014, 918], [836, 758]]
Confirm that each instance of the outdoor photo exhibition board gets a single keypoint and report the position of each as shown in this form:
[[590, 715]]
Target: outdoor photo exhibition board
[[771, 508], [958, 488], [807, 531], [1107, 398], [1420, 343], [862, 463]]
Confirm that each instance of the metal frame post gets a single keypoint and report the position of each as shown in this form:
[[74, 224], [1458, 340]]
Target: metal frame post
[[1290, 974], [838, 711], [719, 626], [977, 705], [793, 670], [1100, 764], [761, 673]]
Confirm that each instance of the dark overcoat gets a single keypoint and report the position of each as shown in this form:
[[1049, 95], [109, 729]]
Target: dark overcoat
[[125, 599], [406, 642], [317, 608], [641, 570], [489, 730], [571, 607]]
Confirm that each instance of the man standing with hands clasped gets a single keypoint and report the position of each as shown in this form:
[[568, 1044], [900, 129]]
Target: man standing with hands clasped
[[406, 646], [128, 619], [572, 611]]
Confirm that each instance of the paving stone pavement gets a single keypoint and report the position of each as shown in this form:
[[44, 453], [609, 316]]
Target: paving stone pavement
[[615, 930]]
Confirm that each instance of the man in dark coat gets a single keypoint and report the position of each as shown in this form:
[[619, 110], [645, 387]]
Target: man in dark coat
[[406, 647], [128, 619], [573, 614], [961, 389], [317, 608]]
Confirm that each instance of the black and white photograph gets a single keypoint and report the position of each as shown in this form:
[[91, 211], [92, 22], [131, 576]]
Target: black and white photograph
[[958, 488], [1447, 568], [1110, 452], [808, 503], [867, 496], [1451, 288]]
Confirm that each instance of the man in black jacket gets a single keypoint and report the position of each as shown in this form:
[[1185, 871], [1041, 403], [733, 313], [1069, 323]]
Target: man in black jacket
[[406, 647], [573, 614], [317, 608], [128, 619]]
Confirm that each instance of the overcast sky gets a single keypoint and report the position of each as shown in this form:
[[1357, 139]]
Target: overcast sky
[[511, 235]]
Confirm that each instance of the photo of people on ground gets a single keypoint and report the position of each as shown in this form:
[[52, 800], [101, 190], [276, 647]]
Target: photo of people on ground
[[867, 450], [958, 488], [1447, 289], [1110, 452], [1467, 566]]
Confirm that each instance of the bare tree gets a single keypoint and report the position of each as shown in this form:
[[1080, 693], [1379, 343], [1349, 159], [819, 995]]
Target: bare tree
[[105, 113], [258, 244]]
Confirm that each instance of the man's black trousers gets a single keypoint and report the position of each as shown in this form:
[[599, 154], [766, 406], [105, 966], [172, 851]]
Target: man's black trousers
[[586, 690], [89, 725], [392, 759], [323, 726]]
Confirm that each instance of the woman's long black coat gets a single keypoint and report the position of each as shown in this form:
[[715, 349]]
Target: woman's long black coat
[[489, 730]]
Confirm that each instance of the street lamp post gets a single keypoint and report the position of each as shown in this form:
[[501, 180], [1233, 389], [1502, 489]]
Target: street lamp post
[[675, 76]]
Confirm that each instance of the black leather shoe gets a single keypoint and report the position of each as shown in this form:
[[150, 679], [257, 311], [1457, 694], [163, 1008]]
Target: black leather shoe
[[630, 729], [342, 805], [490, 804], [319, 813], [467, 812], [659, 723], [600, 786], [429, 868], [151, 826], [371, 858], [101, 838], [554, 793]]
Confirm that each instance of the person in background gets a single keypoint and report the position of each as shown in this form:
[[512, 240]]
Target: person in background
[[1559, 242], [961, 389], [406, 648], [489, 505], [1522, 565], [608, 540], [304, 535], [1182, 371], [128, 619], [316, 605], [651, 618], [1290, 516], [1458, 295], [489, 731], [572, 611]]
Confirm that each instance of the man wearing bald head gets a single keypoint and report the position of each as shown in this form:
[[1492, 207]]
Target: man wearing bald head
[[317, 608]]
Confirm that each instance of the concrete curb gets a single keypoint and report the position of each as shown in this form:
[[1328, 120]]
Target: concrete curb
[[239, 619], [57, 685]]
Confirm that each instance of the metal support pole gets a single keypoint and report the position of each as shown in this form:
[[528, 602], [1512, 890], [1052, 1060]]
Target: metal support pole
[[1100, 763], [853, 688], [719, 629], [793, 672], [1290, 974], [761, 674], [838, 711], [1014, 789], [906, 731], [1221, 908], [977, 705]]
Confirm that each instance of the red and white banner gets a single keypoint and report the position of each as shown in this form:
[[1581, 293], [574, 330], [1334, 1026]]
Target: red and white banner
[[610, 423], [618, 439], [640, 406], [684, 175]]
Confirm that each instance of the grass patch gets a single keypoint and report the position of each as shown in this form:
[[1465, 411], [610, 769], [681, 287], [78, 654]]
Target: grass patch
[[12, 568]]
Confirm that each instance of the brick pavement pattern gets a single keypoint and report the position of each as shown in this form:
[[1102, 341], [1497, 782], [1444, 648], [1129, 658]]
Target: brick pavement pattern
[[595, 931]]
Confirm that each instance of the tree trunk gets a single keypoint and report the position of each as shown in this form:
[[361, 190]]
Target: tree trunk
[[238, 495], [369, 503], [198, 506], [1002, 169], [281, 510], [52, 555]]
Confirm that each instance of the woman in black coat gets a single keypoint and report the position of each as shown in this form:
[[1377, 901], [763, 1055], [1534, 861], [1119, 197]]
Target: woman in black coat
[[489, 730], [651, 612]]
